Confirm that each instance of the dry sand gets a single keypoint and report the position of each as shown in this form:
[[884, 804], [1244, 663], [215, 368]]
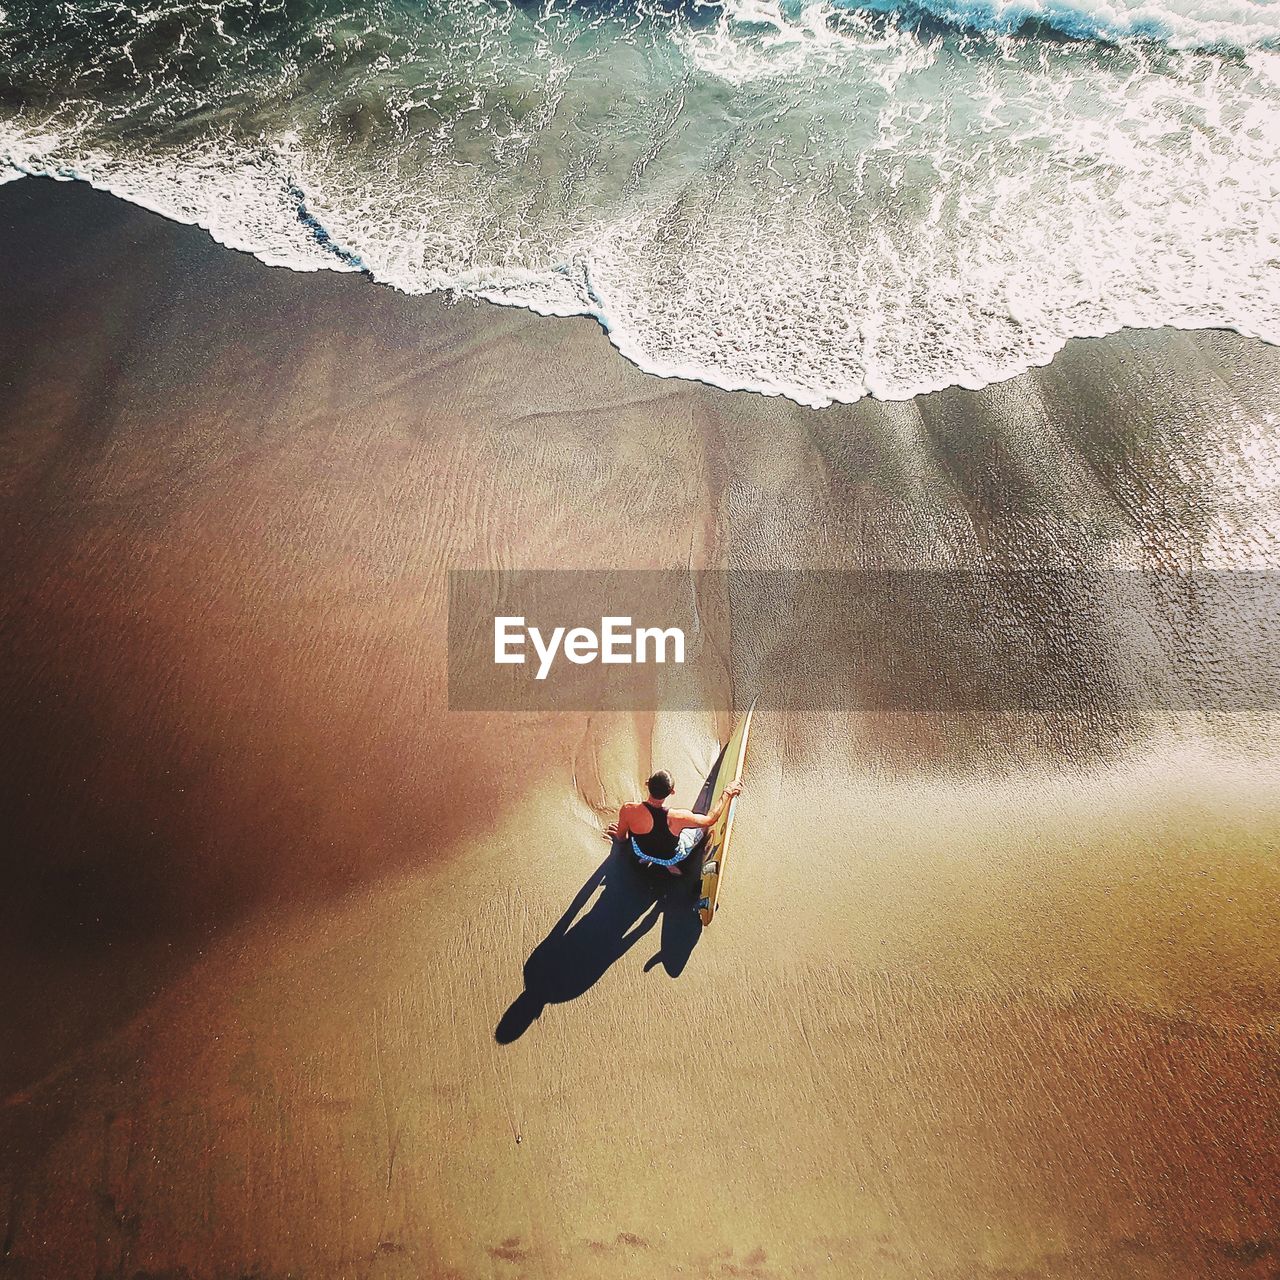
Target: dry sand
[[988, 998]]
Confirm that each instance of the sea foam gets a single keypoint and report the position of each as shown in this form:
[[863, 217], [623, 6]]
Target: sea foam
[[796, 199], [1180, 24]]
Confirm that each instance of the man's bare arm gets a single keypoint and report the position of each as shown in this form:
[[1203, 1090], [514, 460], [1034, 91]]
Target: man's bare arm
[[618, 830], [690, 819]]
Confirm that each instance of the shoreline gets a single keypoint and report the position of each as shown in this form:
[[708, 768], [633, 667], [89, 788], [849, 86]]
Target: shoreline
[[628, 349]]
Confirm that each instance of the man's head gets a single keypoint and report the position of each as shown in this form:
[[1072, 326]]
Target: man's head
[[660, 785]]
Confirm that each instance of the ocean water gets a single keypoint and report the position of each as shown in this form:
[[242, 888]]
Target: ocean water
[[817, 200]]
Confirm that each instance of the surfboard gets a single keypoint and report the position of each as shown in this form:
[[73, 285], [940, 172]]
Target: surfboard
[[716, 846]]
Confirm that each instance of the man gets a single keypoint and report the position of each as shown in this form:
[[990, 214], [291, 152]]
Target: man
[[662, 837]]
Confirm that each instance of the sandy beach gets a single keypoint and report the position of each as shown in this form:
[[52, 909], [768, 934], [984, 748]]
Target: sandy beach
[[991, 996]]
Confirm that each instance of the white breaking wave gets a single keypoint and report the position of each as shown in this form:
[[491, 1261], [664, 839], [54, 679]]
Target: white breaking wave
[[795, 200], [1180, 24]]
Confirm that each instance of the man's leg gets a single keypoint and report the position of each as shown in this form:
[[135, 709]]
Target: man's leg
[[688, 840]]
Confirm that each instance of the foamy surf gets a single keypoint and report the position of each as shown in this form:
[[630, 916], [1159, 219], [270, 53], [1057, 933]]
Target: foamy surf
[[1228, 25], [797, 199]]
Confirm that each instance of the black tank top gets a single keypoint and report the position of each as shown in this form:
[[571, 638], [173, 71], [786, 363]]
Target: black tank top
[[661, 841]]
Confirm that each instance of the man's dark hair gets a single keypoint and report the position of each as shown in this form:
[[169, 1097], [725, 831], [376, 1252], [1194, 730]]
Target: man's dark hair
[[660, 785]]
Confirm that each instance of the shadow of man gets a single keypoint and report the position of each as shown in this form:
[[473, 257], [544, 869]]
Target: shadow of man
[[577, 953]]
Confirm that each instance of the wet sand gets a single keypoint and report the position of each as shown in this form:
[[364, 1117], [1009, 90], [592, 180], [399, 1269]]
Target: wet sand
[[990, 996]]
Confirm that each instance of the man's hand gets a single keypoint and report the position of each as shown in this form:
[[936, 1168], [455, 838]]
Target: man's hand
[[611, 831], [733, 789]]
